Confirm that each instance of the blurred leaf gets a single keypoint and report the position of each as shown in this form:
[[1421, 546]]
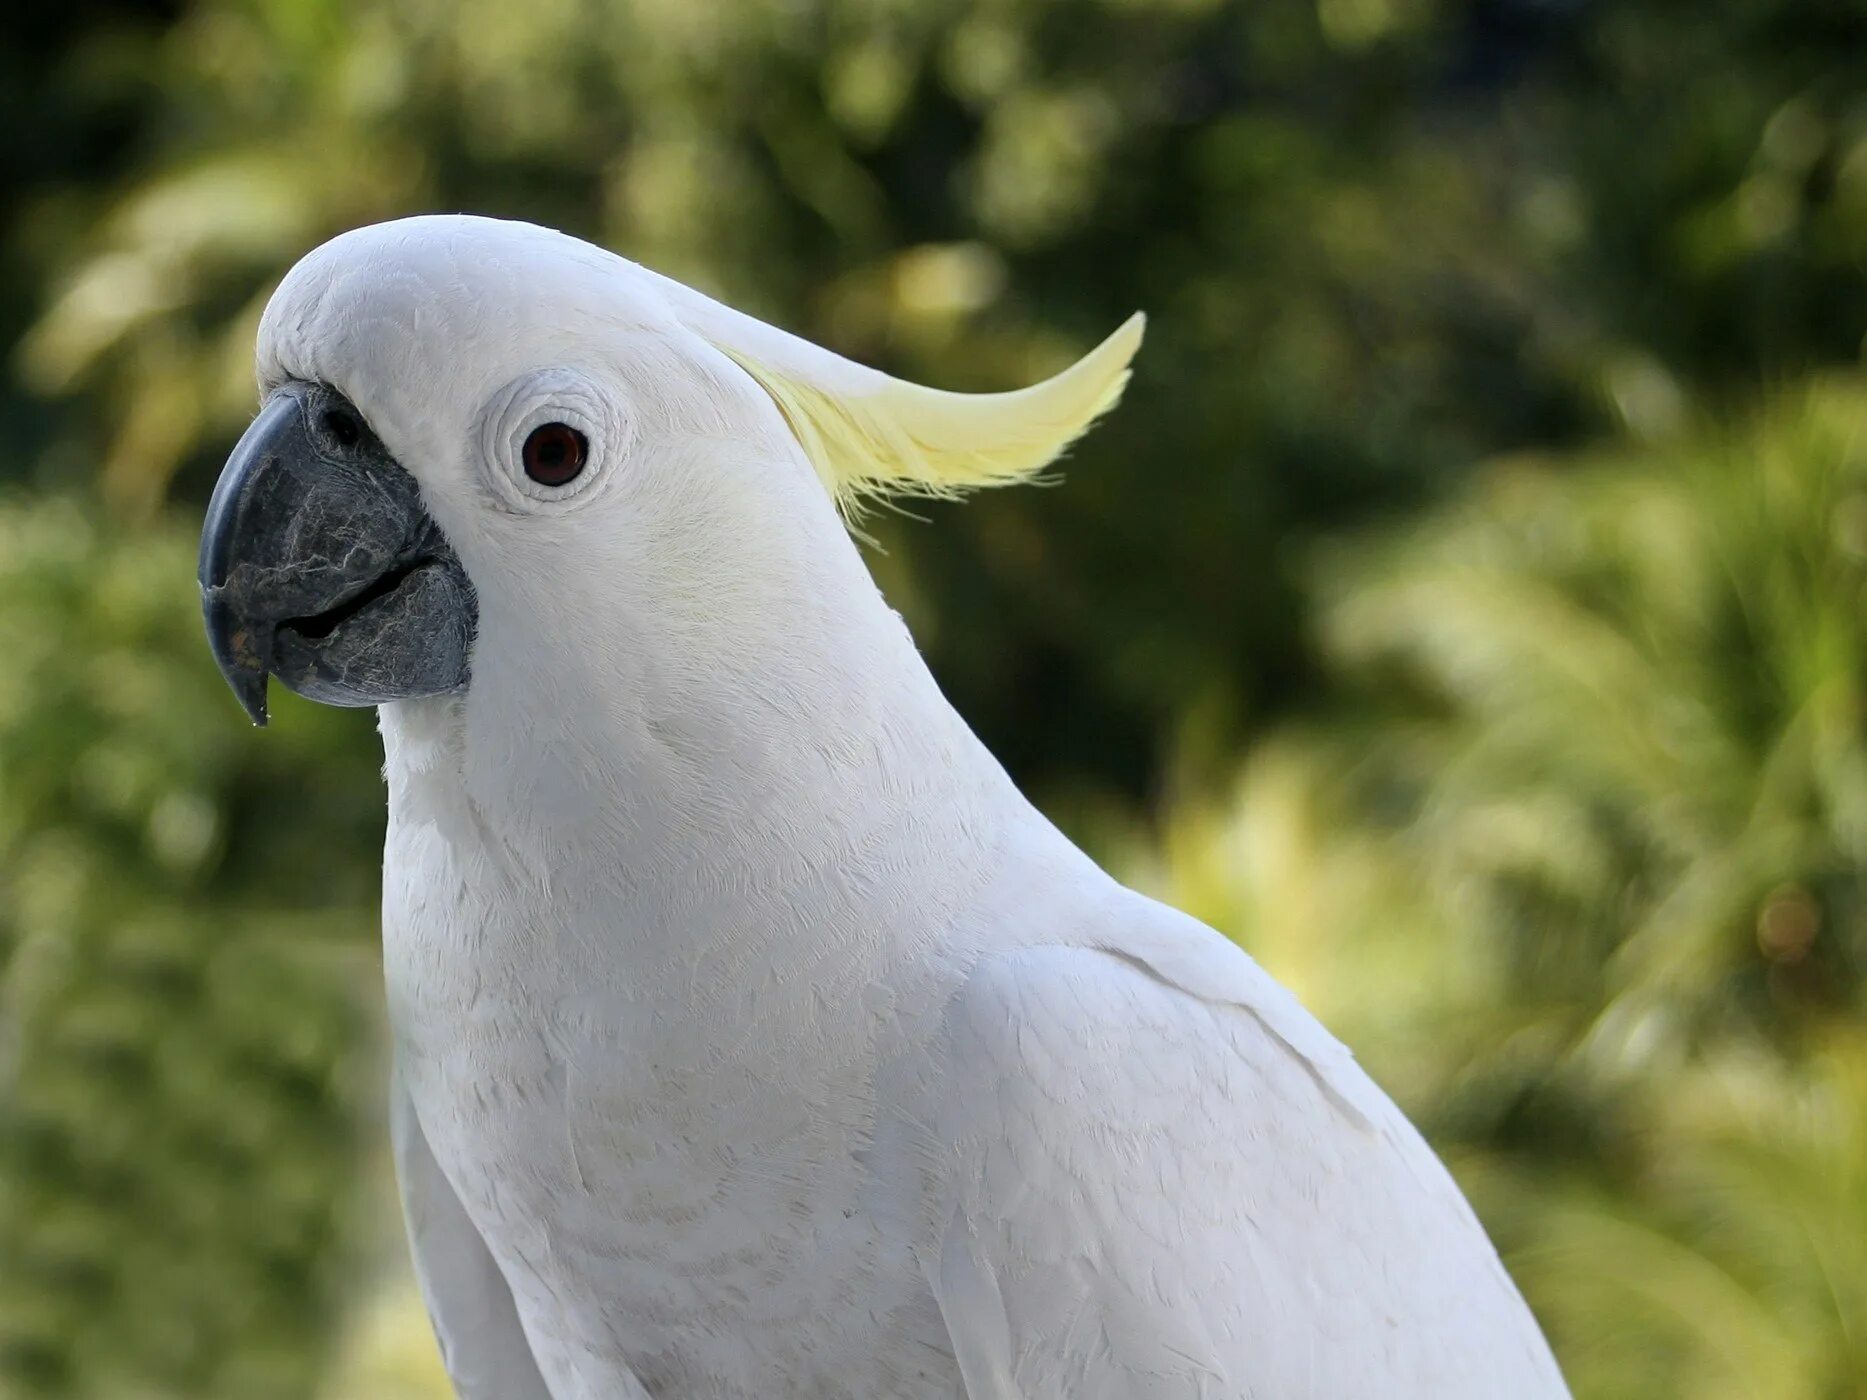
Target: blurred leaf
[[185, 988]]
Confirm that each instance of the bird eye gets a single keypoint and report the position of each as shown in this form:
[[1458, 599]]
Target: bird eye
[[554, 454]]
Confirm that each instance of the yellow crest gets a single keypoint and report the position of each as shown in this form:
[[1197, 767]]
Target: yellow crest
[[869, 435], [893, 438]]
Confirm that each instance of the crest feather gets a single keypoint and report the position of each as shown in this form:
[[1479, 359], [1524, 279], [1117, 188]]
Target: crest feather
[[887, 437], [869, 435]]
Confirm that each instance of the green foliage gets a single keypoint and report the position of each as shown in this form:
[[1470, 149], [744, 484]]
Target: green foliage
[[1637, 755], [1634, 769], [187, 987], [1543, 692], [1578, 866]]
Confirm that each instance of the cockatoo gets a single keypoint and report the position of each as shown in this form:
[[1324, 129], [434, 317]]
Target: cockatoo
[[753, 1035]]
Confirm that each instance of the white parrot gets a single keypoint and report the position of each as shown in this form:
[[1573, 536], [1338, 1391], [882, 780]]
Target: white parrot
[[754, 1037]]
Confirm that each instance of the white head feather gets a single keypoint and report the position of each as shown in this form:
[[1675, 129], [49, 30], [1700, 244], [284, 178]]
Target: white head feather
[[368, 308]]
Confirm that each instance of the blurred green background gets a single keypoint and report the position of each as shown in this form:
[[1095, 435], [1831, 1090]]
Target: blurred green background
[[1464, 610]]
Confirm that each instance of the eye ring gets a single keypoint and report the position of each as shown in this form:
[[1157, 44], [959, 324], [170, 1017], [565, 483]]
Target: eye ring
[[554, 454], [590, 421]]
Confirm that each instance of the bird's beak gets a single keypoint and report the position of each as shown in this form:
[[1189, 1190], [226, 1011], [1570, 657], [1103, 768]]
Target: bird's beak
[[321, 566]]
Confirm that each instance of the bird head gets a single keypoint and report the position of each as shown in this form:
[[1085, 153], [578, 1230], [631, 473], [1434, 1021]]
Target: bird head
[[473, 431]]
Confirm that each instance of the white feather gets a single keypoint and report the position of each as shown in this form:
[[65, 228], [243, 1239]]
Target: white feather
[[482, 1341]]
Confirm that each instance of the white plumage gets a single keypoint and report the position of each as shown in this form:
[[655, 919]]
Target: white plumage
[[754, 1036]]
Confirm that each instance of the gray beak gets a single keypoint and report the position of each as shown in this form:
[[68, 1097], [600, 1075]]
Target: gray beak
[[320, 565]]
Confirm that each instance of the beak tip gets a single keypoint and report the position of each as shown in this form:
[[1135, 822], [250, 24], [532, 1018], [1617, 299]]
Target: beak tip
[[241, 659], [249, 688]]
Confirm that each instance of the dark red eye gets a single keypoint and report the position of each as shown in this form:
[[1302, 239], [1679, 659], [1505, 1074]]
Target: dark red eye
[[554, 454]]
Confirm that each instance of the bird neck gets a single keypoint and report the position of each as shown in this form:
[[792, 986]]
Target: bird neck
[[710, 780]]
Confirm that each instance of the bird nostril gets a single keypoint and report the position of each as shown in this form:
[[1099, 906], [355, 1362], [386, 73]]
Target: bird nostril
[[343, 427]]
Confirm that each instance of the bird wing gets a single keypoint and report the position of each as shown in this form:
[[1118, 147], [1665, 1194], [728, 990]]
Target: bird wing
[[483, 1345], [1172, 1182]]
